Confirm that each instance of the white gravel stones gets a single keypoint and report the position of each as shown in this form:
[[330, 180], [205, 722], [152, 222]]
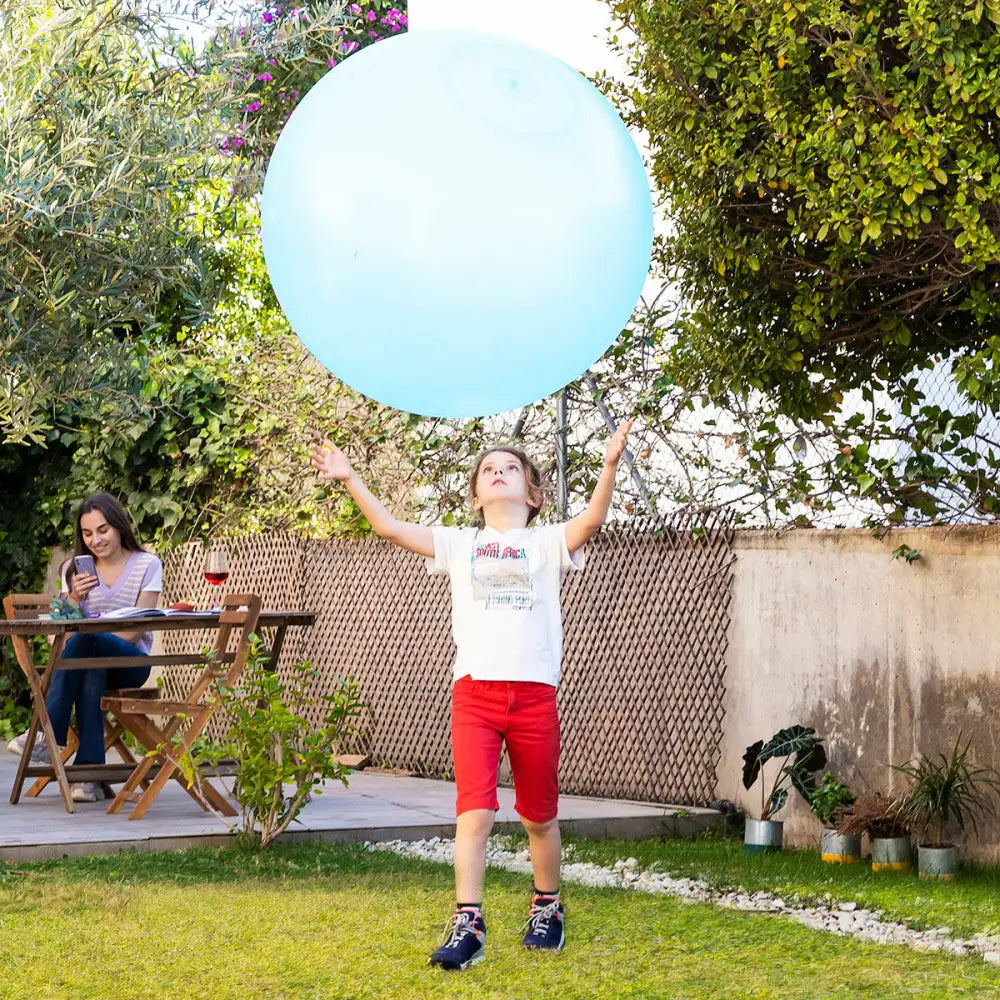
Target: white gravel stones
[[843, 918]]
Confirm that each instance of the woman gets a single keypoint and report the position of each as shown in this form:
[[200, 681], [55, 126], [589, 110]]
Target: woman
[[127, 576]]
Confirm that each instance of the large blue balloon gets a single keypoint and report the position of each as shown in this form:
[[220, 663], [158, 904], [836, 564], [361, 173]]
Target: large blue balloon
[[456, 223]]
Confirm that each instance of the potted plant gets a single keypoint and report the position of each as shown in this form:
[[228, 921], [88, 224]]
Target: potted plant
[[946, 791], [801, 754], [829, 801], [880, 816]]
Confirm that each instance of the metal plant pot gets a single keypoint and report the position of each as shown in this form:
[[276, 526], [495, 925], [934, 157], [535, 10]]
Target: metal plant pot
[[937, 862], [762, 836], [840, 848], [891, 854]]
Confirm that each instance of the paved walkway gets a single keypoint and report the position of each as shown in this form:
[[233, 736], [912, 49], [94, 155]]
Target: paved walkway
[[375, 806]]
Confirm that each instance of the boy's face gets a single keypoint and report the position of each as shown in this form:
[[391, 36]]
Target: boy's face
[[502, 479]]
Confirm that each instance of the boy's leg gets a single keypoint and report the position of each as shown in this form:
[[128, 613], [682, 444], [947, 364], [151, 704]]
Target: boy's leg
[[545, 846], [477, 716], [533, 742], [471, 832], [477, 739]]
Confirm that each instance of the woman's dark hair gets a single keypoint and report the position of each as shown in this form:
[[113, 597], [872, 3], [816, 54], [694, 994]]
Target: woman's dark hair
[[114, 514]]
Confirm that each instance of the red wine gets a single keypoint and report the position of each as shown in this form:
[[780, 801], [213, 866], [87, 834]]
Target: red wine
[[216, 578]]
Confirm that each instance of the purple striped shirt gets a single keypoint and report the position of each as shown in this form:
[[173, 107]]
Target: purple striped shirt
[[142, 571]]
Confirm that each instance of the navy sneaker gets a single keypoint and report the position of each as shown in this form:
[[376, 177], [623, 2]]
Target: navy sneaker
[[546, 926], [465, 941]]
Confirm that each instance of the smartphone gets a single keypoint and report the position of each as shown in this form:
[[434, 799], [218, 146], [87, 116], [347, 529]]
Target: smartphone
[[85, 564]]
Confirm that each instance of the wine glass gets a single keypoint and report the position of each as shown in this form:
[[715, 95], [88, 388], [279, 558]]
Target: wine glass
[[216, 567]]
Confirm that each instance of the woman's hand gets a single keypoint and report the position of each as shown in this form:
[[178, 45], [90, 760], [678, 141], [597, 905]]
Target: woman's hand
[[331, 462], [83, 584], [616, 446]]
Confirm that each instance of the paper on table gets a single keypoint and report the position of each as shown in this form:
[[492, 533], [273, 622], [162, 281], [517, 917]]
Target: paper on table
[[147, 613]]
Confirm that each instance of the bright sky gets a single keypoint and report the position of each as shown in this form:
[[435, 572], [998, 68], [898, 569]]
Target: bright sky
[[573, 30]]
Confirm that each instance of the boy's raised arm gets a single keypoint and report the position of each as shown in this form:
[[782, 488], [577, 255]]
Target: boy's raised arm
[[584, 526], [332, 463]]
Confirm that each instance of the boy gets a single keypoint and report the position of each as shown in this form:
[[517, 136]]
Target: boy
[[507, 625]]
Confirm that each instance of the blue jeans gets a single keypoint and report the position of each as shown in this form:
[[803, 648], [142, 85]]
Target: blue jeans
[[85, 688]]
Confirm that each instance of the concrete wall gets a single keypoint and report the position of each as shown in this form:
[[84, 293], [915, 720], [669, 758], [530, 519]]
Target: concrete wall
[[885, 659]]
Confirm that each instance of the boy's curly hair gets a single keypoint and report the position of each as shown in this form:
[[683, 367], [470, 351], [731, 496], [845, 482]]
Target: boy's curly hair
[[532, 473]]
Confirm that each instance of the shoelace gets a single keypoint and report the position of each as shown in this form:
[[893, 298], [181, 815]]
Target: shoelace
[[538, 919], [459, 925]]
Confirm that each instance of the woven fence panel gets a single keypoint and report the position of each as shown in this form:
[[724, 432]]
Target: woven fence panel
[[643, 670], [386, 622], [644, 662], [268, 565]]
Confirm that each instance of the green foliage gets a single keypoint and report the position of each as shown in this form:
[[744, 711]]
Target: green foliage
[[102, 141], [281, 757], [801, 753], [14, 718], [905, 553], [290, 46], [829, 800], [179, 387], [948, 791], [832, 174]]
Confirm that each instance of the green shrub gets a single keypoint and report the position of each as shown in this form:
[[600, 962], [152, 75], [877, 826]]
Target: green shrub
[[281, 757]]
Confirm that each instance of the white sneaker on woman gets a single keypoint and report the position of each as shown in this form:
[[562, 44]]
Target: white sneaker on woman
[[39, 752], [86, 791], [16, 745]]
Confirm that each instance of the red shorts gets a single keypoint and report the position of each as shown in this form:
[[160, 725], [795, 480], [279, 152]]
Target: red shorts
[[484, 714]]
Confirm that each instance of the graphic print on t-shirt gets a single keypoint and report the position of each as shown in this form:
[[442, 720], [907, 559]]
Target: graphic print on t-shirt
[[501, 575]]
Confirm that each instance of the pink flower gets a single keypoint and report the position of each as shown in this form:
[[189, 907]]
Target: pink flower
[[254, 106], [331, 62], [270, 62], [349, 47], [355, 9], [265, 77], [238, 141], [370, 16], [267, 17], [373, 34]]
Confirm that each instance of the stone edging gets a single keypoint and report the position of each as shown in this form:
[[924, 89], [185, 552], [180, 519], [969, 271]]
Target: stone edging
[[844, 919]]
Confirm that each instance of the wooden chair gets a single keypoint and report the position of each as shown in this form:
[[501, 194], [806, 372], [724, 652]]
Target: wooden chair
[[186, 718], [34, 606]]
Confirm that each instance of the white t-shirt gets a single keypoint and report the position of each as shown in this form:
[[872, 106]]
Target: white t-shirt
[[505, 617]]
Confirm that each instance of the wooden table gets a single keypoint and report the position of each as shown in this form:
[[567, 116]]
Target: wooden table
[[39, 678]]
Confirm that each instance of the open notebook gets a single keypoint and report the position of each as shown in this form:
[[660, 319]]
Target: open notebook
[[149, 613]]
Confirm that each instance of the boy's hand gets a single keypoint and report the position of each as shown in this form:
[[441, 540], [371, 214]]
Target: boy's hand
[[616, 446], [330, 462]]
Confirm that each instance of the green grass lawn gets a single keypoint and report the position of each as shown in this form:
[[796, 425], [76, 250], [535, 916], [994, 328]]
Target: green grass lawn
[[969, 904], [331, 921]]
